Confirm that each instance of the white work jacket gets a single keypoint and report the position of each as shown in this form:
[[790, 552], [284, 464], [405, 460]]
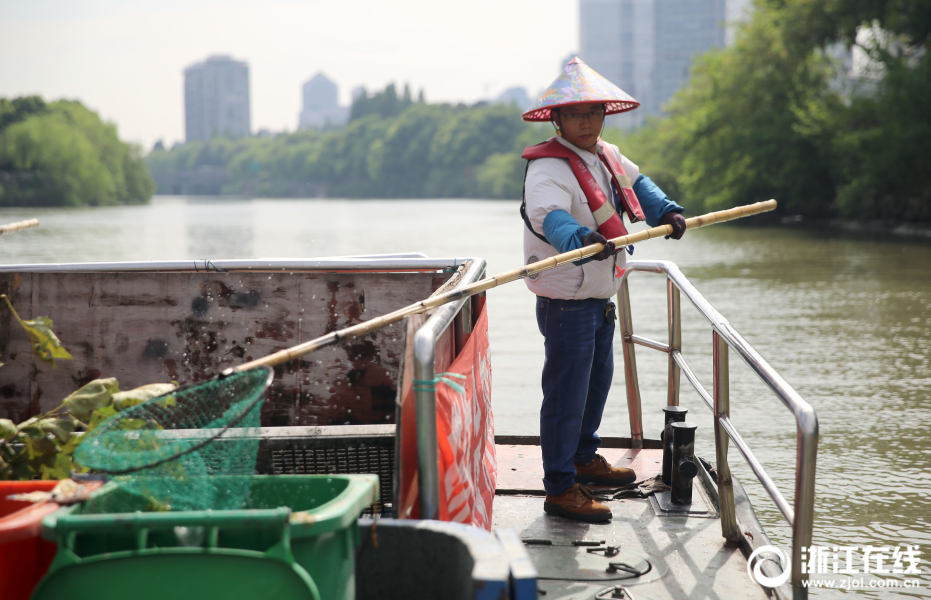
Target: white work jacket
[[550, 185]]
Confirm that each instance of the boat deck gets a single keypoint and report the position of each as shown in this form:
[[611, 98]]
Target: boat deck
[[659, 556]]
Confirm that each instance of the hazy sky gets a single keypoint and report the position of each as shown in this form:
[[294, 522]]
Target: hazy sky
[[125, 58]]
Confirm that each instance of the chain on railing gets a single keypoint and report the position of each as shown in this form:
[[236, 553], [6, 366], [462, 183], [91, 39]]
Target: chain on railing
[[725, 338]]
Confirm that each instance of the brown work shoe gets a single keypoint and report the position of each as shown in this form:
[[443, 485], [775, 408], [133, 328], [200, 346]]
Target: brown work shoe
[[600, 472], [577, 503]]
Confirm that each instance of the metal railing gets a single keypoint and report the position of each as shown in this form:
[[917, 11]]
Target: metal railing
[[367, 262], [725, 338], [459, 314]]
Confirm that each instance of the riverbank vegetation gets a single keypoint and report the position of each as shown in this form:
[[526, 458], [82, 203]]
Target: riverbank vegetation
[[782, 113], [393, 147], [62, 154], [779, 115]]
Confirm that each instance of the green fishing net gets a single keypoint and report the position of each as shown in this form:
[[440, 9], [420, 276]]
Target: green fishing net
[[192, 449]]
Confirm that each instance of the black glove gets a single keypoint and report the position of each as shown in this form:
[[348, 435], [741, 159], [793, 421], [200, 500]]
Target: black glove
[[678, 224], [593, 237]]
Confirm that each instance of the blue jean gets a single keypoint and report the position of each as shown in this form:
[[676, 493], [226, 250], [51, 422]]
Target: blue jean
[[577, 372]]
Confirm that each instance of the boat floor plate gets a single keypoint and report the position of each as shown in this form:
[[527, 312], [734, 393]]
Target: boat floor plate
[[687, 553], [662, 504], [599, 563], [520, 468]]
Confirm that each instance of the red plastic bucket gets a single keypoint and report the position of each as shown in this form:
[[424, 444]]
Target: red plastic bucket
[[24, 555]]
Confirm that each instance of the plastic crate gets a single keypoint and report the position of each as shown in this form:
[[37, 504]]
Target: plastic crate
[[296, 537], [24, 555]]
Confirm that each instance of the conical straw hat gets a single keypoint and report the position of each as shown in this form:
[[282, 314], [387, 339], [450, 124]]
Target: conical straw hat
[[580, 84]]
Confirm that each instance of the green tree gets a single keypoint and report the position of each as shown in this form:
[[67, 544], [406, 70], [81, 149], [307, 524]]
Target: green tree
[[19, 109], [500, 176], [61, 161], [463, 143], [386, 103], [775, 116], [399, 162], [62, 153], [732, 136], [425, 150]]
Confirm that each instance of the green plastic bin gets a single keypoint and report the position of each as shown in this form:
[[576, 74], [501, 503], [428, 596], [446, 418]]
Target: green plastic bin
[[295, 537]]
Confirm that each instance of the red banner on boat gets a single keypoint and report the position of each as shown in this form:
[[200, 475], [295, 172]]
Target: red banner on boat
[[465, 436]]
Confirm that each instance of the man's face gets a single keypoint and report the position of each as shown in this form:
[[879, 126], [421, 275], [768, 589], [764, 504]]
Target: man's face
[[580, 124]]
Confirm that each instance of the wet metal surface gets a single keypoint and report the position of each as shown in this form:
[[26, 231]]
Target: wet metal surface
[[147, 327], [686, 554], [688, 557], [520, 468], [566, 562], [663, 505]]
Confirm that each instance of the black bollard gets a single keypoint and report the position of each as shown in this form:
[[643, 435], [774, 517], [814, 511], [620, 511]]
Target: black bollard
[[684, 468], [671, 414]]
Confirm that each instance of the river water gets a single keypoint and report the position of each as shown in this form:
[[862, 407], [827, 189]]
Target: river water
[[846, 319]]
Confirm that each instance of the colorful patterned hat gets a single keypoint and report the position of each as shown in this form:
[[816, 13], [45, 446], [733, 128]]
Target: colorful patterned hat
[[580, 84]]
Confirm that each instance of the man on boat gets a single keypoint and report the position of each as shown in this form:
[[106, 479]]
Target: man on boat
[[576, 189]]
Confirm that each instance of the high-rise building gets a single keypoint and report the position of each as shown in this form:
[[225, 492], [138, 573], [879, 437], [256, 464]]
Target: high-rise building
[[601, 23], [684, 29], [516, 96], [321, 104], [216, 99], [646, 47]]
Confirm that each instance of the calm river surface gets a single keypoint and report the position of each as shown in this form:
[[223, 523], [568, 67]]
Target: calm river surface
[[846, 320]]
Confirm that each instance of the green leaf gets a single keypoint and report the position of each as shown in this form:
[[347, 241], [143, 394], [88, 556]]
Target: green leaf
[[45, 344], [68, 450], [156, 506], [136, 424], [60, 428], [124, 400], [40, 448], [27, 423], [100, 415], [93, 396], [40, 451], [32, 432], [71, 445], [7, 429], [21, 470], [61, 469]]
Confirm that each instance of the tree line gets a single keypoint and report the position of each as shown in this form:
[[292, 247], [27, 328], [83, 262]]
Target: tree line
[[393, 147], [62, 154], [774, 116]]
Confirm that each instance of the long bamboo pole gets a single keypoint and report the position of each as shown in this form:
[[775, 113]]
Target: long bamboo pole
[[11, 227], [283, 356]]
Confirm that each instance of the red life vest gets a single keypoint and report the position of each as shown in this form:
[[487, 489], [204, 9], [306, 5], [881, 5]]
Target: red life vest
[[610, 224]]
